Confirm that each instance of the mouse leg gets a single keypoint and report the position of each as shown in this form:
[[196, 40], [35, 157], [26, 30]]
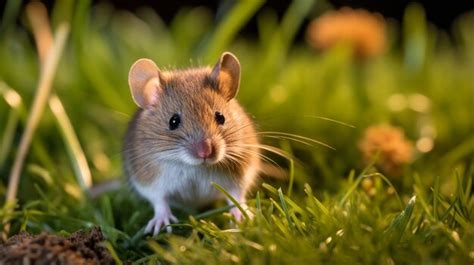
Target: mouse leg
[[235, 211], [162, 217]]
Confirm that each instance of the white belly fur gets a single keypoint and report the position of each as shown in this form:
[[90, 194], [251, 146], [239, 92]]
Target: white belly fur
[[188, 186]]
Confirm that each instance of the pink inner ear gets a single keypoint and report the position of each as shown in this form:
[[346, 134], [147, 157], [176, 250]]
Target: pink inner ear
[[225, 79], [150, 91], [144, 82], [227, 72]]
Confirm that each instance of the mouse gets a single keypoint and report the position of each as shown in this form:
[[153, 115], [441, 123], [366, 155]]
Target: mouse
[[189, 132]]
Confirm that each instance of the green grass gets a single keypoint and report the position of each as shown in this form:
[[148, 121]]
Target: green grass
[[322, 214]]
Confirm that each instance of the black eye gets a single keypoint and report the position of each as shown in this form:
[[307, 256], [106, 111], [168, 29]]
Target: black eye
[[174, 122], [219, 118]]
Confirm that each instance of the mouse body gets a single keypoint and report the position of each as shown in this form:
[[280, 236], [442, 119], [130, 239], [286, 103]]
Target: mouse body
[[189, 132]]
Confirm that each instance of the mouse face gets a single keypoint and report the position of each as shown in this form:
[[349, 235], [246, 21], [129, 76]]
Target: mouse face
[[192, 119], [190, 116]]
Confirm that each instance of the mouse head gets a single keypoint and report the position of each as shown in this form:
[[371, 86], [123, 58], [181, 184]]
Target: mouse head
[[188, 116]]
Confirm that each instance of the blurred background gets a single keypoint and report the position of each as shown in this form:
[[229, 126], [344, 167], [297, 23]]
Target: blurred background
[[387, 85], [380, 81], [438, 14]]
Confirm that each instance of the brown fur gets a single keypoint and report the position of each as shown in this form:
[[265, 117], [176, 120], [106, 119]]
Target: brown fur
[[195, 95], [179, 164]]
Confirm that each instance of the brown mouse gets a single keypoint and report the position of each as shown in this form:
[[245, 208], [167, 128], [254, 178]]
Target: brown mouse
[[189, 131]]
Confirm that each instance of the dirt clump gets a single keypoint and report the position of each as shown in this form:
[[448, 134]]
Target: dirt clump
[[79, 248]]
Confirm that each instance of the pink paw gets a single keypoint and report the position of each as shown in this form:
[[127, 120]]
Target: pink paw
[[160, 220], [238, 214]]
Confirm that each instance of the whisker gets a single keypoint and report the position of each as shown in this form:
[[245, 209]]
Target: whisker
[[288, 138], [329, 119], [279, 116], [248, 151], [156, 155], [265, 158], [231, 159], [159, 139], [235, 130], [237, 160], [295, 136], [147, 150], [269, 148]]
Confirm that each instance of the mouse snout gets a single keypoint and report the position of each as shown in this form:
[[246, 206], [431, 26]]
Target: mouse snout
[[204, 149]]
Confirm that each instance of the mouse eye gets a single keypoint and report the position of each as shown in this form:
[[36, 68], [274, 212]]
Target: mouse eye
[[220, 119], [174, 122]]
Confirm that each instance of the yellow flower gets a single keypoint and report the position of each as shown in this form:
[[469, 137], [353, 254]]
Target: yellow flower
[[363, 31], [393, 148]]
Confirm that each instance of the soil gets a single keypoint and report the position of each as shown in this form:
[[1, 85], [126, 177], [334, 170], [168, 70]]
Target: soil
[[79, 248]]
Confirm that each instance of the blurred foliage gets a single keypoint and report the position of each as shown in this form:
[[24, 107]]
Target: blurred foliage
[[423, 83]]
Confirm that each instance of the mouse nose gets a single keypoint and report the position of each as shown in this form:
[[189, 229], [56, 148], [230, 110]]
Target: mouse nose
[[204, 149]]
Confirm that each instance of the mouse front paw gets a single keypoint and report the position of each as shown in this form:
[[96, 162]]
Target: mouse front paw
[[235, 211], [161, 219]]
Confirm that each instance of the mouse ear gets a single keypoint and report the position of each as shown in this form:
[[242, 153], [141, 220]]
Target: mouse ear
[[144, 82], [227, 74]]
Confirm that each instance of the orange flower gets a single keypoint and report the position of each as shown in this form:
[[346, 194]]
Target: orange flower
[[364, 31], [390, 142]]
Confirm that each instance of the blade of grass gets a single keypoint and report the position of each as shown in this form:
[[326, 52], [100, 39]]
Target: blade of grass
[[74, 149], [106, 211], [7, 139], [283, 36], [460, 151], [80, 23], [350, 178], [44, 174], [228, 28], [213, 212], [10, 13], [270, 188], [468, 188], [14, 100], [447, 213], [421, 195], [38, 16], [435, 198], [232, 199], [358, 180], [458, 214], [153, 245], [292, 177], [258, 202], [12, 97], [39, 103], [396, 229], [389, 183], [293, 18], [288, 200], [319, 205], [285, 208], [49, 58], [460, 193], [277, 206], [112, 252], [150, 259]]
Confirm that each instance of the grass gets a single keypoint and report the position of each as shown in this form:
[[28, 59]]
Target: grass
[[332, 210]]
